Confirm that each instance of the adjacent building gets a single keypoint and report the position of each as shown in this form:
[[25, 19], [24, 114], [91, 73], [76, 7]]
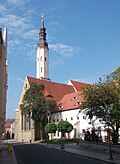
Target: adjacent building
[[9, 128], [3, 80]]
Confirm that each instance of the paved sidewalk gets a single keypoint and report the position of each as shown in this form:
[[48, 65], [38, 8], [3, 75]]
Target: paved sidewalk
[[6, 157], [73, 148]]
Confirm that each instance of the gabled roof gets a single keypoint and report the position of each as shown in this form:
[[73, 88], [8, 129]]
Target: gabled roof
[[66, 96], [70, 101], [53, 90], [78, 86]]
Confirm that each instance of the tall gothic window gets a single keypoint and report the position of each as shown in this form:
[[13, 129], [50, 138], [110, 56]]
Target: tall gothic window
[[22, 122], [29, 126]]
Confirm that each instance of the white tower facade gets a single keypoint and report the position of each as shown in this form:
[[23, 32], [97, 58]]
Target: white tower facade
[[42, 70]]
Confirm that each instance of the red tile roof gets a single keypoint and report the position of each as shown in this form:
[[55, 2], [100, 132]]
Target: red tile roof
[[79, 85], [53, 89], [70, 101], [66, 96]]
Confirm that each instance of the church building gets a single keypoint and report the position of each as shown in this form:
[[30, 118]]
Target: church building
[[67, 96]]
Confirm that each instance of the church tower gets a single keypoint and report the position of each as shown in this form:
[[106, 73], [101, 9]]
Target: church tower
[[42, 54]]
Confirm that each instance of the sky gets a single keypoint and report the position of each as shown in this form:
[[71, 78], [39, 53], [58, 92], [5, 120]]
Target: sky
[[83, 38]]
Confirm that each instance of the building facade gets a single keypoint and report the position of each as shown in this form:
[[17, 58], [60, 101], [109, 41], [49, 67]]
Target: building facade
[[67, 96], [3, 80]]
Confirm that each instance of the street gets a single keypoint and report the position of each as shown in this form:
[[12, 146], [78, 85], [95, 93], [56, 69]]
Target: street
[[39, 154]]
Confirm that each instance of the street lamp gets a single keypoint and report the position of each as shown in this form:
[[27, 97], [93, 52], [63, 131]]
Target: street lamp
[[108, 123]]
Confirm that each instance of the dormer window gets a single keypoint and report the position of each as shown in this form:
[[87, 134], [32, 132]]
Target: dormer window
[[60, 107], [74, 98], [78, 103]]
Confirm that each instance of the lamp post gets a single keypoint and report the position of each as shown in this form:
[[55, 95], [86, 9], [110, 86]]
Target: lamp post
[[108, 123]]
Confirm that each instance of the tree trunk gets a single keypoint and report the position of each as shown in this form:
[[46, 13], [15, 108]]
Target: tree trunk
[[115, 135]]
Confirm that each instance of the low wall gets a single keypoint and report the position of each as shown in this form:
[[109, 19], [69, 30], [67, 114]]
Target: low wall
[[99, 146]]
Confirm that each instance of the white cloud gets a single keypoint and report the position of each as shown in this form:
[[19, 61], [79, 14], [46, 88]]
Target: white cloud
[[23, 37], [20, 79], [2, 9], [16, 2], [63, 50], [16, 78], [14, 22], [60, 52], [30, 34]]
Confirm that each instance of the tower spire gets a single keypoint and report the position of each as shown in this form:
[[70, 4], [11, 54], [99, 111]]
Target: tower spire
[[42, 34], [42, 20], [42, 71]]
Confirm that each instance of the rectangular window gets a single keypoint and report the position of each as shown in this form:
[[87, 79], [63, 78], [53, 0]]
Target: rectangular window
[[71, 118], [58, 133]]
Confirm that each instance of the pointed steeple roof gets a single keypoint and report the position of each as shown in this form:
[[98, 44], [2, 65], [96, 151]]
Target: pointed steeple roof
[[42, 34]]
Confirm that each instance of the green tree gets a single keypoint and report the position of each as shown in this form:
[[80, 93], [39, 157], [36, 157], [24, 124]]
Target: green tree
[[33, 105], [64, 127], [50, 106], [101, 100], [116, 75], [51, 128]]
